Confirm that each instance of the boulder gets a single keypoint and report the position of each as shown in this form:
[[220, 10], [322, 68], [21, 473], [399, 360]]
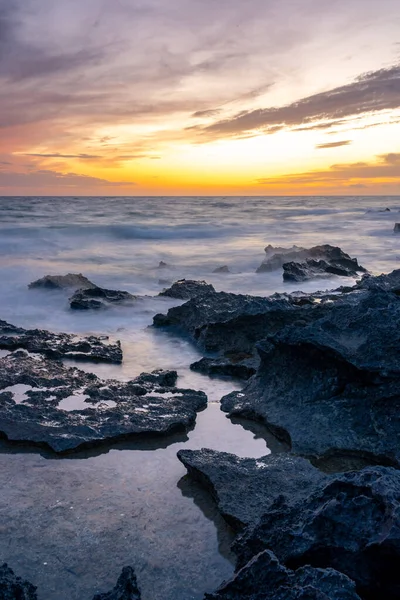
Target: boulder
[[351, 523], [125, 589], [99, 298], [185, 289], [246, 488], [46, 403], [223, 367], [13, 587], [59, 345], [331, 386], [60, 282], [265, 578]]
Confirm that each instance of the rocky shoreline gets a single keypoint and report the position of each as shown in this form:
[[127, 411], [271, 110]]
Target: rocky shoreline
[[322, 371]]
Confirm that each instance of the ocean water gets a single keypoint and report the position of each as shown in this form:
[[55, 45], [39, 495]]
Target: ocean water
[[70, 525]]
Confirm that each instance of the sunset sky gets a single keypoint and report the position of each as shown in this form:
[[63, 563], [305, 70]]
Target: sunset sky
[[199, 97]]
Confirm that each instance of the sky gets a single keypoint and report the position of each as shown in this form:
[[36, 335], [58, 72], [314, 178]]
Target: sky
[[199, 97]]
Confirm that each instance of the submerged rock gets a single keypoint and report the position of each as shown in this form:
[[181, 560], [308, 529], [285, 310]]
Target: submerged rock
[[59, 345], [13, 587], [185, 289], [396, 228], [44, 402], [61, 282], [351, 523], [332, 385], [224, 367], [246, 488], [98, 298], [126, 588], [265, 578]]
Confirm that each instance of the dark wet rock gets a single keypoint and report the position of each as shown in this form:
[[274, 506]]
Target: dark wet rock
[[389, 282], [224, 269], [332, 385], [277, 256], [65, 408], [185, 289], [99, 298], [60, 282], [126, 588], [245, 488], [59, 345], [301, 264], [351, 523], [224, 367], [265, 578], [162, 265], [322, 261], [378, 210], [396, 228], [15, 588]]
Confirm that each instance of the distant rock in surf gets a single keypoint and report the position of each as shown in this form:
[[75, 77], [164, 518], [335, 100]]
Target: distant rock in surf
[[396, 228], [60, 282], [301, 264], [224, 269], [162, 265], [377, 210], [99, 298], [126, 588], [185, 289]]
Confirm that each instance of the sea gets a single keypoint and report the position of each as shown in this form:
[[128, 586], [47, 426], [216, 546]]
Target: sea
[[70, 524]]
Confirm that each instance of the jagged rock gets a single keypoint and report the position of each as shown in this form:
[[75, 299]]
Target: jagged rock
[[98, 298], [264, 578], [224, 269], [277, 256], [351, 523], [389, 282], [59, 345], [44, 402], [15, 588], [126, 588], [61, 282], [396, 228], [185, 289], [301, 264], [332, 385], [224, 367], [245, 488]]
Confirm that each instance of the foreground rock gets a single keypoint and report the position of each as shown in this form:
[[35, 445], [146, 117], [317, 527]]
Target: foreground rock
[[43, 402], [264, 577], [15, 588], [99, 298], [60, 282], [351, 524], [332, 386], [126, 588], [59, 345], [238, 368], [246, 488], [185, 289], [301, 264]]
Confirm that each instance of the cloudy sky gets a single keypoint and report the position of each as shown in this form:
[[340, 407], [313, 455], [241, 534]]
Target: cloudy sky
[[164, 97]]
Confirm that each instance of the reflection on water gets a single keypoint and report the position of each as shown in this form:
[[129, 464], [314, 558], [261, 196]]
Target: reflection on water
[[70, 525]]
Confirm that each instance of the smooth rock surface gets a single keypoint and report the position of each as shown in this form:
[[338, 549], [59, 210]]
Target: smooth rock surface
[[224, 367], [59, 345], [245, 488], [264, 578], [332, 386], [99, 298], [125, 589], [43, 402], [60, 282], [351, 523], [13, 587]]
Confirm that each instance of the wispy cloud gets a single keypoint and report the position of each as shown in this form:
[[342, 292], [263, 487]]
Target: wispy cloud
[[58, 155], [333, 144]]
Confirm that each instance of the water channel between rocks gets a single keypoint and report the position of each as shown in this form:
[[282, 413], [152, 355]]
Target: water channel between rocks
[[69, 525]]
